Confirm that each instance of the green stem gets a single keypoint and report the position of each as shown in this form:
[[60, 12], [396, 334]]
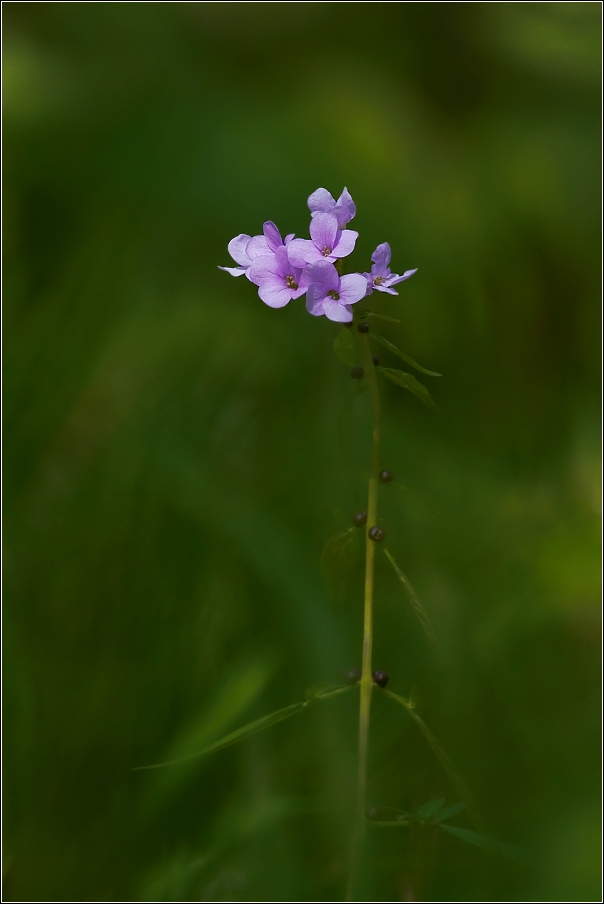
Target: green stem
[[366, 677]]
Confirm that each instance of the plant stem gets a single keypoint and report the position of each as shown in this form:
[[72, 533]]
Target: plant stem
[[366, 677]]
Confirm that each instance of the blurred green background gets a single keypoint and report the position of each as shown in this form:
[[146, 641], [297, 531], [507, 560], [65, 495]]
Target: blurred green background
[[177, 454]]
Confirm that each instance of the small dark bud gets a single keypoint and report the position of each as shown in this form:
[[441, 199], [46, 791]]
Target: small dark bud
[[375, 360], [386, 476], [363, 327], [360, 519], [376, 534], [348, 325], [380, 678], [357, 372], [353, 676]]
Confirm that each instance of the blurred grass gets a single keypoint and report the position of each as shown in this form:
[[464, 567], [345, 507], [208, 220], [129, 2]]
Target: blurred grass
[[172, 468]]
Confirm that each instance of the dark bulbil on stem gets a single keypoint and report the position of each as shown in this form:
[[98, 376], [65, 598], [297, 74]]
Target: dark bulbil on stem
[[357, 372], [363, 327], [386, 476], [360, 519], [375, 360], [380, 678], [376, 534]]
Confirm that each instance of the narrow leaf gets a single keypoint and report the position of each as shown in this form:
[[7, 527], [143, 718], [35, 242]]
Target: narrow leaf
[[454, 777], [345, 347], [487, 843], [448, 812], [430, 808], [407, 381], [386, 823], [387, 344], [325, 689], [238, 735], [413, 598], [337, 561], [381, 317]]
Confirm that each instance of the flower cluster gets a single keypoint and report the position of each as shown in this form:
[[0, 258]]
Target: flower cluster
[[285, 269]]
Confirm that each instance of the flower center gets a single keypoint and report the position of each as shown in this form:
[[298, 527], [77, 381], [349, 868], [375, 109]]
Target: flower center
[[333, 294], [326, 251], [291, 282], [378, 280]]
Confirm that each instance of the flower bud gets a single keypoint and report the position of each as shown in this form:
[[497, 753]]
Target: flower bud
[[363, 327], [380, 678], [376, 534], [357, 372], [360, 519], [375, 360]]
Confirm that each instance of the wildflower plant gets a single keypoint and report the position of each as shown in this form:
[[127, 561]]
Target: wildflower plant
[[284, 270]]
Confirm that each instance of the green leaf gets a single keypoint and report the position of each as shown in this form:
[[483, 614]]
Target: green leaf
[[454, 777], [325, 689], [430, 808], [239, 735], [448, 812], [337, 561], [413, 598], [380, 317], [487, 843], [387, 344], [345, 347], [407, 381]]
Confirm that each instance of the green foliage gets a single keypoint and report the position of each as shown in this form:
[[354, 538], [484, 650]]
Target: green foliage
[[485, 842], [407, 381], [345, 347], [421, 613], [387, 344]]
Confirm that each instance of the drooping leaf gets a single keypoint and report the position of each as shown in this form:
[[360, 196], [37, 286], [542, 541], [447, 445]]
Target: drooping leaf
[[486, 842], [413, 598], [337, 561], [387, 344], [345, 347], [239, 735], [430, 808], [448, 812], [381, 317], [407, 381], [454, 777]]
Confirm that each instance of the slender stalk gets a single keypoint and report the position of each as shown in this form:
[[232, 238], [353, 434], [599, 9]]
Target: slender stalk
[[366, 677]]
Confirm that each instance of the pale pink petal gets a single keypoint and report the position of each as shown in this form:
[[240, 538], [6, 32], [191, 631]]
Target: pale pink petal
[[302, 252], [346, 242], [234, 271], [257, 246], [263, 268], [314, 299], [323, 231], [397, 279], [325, 274], [353, 287], [272, 235], [320, 200], [238, 249], [336, 311], [275, 297]]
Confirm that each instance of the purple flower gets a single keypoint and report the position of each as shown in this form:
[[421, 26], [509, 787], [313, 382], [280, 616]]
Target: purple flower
[[278, 280], [381, 278], [329, 242], [244, 249], [344, 209], [331, 294]]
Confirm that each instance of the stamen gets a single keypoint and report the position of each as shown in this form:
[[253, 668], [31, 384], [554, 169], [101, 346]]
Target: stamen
[[333, 294], [378, 280], [326, 251], [291, 282]]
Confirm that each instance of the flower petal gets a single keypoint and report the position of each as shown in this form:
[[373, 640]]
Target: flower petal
[[320, 200], [346, 242], [353, 287], [314, 299], [325, 274], [264, 268], [323, 231], [381, 256], [234, 271], [257, 247], [274, 296], [272, 235], [238, 249], [335, 310], [395, 278], [302, 252], [345, 209], [288, 238], [384, 288]]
